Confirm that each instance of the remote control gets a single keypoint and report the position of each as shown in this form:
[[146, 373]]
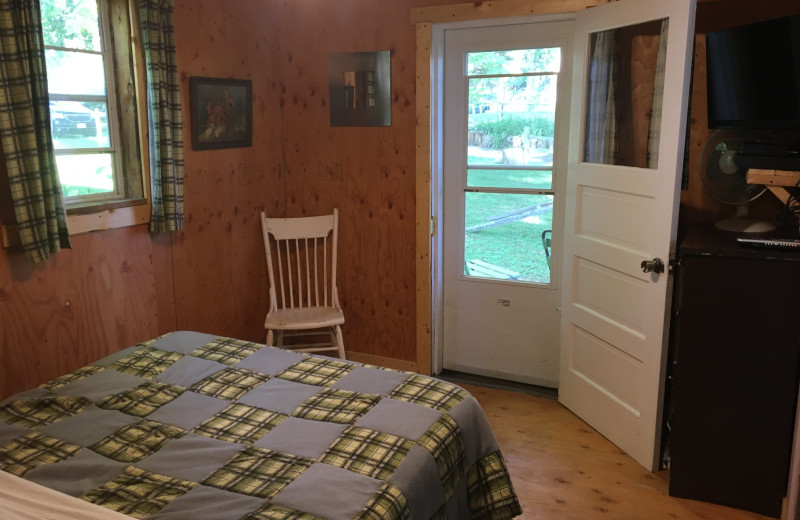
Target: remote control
[[777, 243]]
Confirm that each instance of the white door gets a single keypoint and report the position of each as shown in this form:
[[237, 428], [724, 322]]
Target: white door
[[506, 92], [622, 201]]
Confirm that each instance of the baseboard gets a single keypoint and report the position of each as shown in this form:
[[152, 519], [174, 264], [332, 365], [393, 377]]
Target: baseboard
[[382, 361]]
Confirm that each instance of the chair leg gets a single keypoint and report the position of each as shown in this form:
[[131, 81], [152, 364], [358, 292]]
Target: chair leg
[[340, 342], [269, 337]]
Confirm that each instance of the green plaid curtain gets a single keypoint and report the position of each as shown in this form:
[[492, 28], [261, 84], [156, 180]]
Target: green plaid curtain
[[166, 123], [25, 132]]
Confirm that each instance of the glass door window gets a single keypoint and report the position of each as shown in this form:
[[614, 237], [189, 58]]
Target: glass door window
[[508, 188]]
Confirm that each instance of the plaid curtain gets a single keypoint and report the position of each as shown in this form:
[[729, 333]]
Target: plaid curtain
[[166, 123], [25, 132], [601, 141]]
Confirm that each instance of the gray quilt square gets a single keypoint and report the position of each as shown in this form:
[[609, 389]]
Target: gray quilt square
[[366, 380], [418, 478], [89, 426], [269, 360], [301, 437], [478, 437], [339, 494], [100, 385], [458, 505], [279, 395], [113, 358], [208, 503], [188, 370], [189, 410], [192, 457], [33, 393], [9, 432], [183, 341], [78, 474], [408, 420]]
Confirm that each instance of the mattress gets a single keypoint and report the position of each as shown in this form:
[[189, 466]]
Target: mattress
[[196, 426]]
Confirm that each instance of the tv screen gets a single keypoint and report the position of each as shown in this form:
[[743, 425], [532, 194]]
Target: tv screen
[[753, 75]]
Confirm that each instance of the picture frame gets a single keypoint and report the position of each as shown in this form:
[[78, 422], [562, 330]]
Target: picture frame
[[360, 88], [221, 112]]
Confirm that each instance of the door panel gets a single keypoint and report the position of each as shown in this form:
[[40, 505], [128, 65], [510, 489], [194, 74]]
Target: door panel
[[625, 160], [506, 92]]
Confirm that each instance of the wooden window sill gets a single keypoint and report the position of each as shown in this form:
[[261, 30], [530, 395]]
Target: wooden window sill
[[84, 219]]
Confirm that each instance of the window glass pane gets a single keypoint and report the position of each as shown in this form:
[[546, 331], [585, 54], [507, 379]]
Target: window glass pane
[[624, 90], [522, 179], [79, 125], [518, 61], [75, 73], [85, 174], [511, 120], [71, 24], [503, 237]]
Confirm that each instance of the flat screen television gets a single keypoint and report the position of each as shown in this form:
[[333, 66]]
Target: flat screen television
[[753, 75]]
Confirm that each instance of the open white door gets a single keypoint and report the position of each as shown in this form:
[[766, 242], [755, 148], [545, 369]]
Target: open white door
[[625, 164]]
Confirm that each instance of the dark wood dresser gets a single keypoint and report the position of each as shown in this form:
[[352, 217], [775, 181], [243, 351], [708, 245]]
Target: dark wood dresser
[[735, 354]]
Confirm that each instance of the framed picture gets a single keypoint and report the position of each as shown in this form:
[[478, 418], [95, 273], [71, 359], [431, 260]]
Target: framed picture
[[360, 86], [222, 114]]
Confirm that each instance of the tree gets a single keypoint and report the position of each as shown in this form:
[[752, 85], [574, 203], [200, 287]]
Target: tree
[[70, 24]]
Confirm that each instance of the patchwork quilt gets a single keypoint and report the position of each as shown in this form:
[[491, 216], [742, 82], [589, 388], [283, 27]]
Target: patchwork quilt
[[193, 426]]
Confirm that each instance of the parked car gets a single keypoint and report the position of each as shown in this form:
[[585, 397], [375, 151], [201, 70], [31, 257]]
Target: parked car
[[72, 118]]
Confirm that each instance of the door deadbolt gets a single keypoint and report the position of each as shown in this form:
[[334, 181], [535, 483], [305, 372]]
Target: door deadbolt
[[656, 265]]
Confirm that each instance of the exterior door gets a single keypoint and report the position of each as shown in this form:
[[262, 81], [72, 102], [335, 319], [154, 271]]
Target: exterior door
[[506, 91], [627, 131]]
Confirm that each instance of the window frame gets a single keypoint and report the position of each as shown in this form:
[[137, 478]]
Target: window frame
[[126, 102]]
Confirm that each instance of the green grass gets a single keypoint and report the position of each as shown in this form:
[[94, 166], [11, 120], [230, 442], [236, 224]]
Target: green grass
[[74, 191], [513, 245]]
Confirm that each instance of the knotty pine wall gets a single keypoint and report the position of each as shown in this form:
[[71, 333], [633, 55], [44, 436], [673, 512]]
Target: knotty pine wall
[[118, 287]]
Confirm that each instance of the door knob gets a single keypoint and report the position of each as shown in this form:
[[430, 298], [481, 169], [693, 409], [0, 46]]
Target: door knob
[[656, 265]]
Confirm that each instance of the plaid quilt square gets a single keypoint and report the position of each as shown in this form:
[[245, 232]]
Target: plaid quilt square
[[444, 441], [136, 441], [367, 452], [316, 371], [66, 379], [388, 502], [226, 350], [146, 362], [42, 410], [230, 384], [339, 406], [489, 490], [240, 423], [429, 392], [34, 449], [258, 472], [276, 512], [138, 493], [142, 400]]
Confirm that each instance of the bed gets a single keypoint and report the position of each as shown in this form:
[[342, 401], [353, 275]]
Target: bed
[[195, 426]]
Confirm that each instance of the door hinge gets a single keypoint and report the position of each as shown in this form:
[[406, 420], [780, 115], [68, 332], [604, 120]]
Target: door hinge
[[432, 229]]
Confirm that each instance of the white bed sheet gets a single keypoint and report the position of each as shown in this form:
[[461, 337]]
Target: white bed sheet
[[24, 500]]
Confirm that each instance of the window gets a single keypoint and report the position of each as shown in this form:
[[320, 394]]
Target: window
[[508, 185], [92, 100]]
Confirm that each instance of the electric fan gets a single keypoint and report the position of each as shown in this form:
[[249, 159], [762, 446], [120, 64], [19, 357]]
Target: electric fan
[[727, 182]]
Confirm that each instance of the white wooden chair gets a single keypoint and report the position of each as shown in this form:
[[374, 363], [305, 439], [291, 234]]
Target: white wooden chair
[[303, 299]]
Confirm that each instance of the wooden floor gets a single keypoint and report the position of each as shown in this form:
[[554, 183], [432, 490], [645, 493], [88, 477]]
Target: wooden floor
[[562, 469]]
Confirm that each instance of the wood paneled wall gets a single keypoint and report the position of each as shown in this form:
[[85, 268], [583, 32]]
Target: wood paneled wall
[[76, 307], [118, 287]]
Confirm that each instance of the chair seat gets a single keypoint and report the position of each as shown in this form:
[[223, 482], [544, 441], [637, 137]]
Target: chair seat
[[301, 318]]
